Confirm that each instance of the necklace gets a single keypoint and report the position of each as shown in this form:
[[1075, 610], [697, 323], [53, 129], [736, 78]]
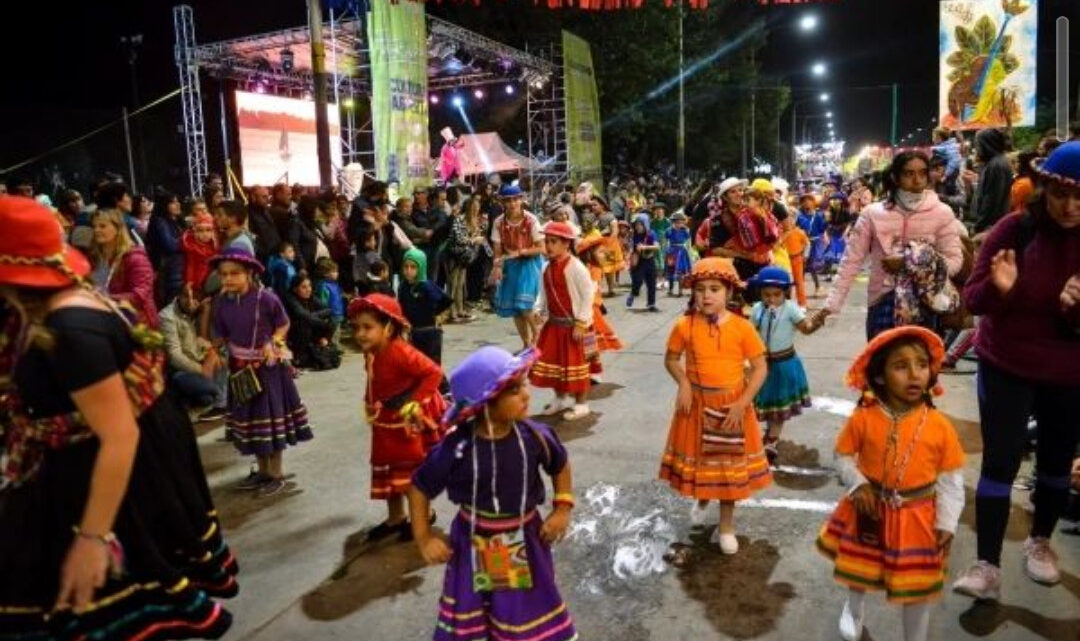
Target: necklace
[[899, 464]]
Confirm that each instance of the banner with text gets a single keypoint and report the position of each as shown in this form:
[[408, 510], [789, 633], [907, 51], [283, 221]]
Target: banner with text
[[397, 35], [987, 66], [582, 113]]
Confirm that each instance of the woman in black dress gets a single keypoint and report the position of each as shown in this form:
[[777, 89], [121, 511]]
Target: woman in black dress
[[108, 527]]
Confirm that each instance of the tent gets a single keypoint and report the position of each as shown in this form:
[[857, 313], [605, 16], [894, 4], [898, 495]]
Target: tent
[[486, 153]]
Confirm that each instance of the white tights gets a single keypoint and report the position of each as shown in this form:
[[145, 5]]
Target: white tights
[[916, 616]]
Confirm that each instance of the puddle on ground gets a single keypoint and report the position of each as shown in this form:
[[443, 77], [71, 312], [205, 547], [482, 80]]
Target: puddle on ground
[[984, 618], [969, 433], [800, 467], [738, 597], [601, 391], [1019, 518], [369, 572]]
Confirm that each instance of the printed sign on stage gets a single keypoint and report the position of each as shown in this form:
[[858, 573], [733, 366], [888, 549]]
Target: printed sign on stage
[[988, 58], [399, 93], [582, 112], [277, 139]]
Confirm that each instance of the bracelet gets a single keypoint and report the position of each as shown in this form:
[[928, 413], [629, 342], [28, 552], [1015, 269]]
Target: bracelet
[[107, 539], [564, 498], [112, 546]]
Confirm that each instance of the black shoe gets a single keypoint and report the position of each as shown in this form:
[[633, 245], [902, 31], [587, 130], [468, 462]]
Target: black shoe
[[213, 414], [253, 481], [652, 308], [272, 486], [385, 529]]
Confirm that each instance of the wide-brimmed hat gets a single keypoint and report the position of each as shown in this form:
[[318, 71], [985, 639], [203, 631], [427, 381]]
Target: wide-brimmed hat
[[856, 375], [32, 249], [482, 376], [770, 277], [762, 185], [560, 230], [237, 255], [714, 268], [585, 244], [808, 194], [511, 191], [381, 303], [1062, 165], [729, 183], [678, 215]]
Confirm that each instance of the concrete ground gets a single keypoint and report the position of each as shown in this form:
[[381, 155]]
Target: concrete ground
[[307, 574]]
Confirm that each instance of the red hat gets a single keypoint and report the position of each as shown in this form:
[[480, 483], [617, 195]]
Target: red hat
[[560, 230], [32, 248], [381, 303], [856, 375]]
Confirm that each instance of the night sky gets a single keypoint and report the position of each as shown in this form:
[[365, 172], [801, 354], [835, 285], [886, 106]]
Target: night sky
[[73, 75]]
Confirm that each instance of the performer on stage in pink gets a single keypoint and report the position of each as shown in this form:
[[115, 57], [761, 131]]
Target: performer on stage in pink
[[449, 162]]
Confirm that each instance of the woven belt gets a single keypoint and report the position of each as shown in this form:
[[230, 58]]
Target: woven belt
[[905, 496], [497, 522], [782, 355], [561, 320]]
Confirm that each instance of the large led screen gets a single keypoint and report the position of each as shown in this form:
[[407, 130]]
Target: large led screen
[[277, 139]]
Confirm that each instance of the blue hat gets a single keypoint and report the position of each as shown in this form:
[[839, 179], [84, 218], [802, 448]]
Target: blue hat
[[511, 191], [482, 376], [771, 277], [1063, 164], [838, 195]]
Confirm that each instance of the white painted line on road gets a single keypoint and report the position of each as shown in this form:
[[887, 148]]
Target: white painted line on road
[[823, 507]]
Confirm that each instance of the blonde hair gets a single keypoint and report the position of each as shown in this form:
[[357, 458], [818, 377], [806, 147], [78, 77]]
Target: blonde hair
[[123, 241]]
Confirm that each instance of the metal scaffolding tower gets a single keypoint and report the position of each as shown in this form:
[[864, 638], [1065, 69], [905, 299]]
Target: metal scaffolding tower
[[190, 97], [546, 114]]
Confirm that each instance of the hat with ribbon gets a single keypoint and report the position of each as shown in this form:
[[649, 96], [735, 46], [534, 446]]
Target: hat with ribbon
[[386, 305], [482, 376], [856, 376], [32, 248], [714, 268], [1062, 165], [237, 255], [585, 244]]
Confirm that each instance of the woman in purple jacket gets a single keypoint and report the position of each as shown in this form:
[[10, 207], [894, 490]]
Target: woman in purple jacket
[[1026, 288]]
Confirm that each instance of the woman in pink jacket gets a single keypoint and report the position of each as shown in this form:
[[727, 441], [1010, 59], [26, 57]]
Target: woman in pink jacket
[[911, 212], [122, 269]]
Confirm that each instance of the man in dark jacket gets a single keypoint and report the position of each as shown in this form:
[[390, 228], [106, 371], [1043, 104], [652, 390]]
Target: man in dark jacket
[[267, 239], [991, 199]]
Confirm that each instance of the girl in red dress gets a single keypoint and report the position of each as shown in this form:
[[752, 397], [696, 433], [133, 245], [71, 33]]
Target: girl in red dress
[[566, 300], [402, 401]]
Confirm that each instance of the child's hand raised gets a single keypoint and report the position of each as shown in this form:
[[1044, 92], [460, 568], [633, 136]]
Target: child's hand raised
[[554, 528], [434, 550], [865, 501]]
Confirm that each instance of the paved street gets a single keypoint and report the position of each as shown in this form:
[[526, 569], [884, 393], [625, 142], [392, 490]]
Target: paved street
[[306, 574]]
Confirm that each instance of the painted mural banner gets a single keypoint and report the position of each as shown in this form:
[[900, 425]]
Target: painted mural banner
[[988, 63], [399, 93], [582, 113]]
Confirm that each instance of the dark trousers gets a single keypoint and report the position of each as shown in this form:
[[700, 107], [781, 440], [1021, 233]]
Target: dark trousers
[[1005, 403], [644, 272], [196, 389], [429, 341]]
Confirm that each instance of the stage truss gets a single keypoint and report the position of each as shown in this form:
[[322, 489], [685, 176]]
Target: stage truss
[[279, 63]]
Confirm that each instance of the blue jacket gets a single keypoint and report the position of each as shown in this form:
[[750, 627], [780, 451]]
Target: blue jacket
[[281, 274], [813, 224], [329, 293]]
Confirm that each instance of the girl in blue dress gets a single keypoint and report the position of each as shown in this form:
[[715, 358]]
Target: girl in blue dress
[[677, 257]]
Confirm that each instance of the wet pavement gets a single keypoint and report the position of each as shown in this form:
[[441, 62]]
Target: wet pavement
[[308, 573]]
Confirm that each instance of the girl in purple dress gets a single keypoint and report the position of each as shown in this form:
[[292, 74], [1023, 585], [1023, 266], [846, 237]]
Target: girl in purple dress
[[500, 577], [266, 414]]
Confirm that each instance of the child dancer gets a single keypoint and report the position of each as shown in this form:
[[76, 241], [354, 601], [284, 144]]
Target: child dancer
[[422, 301], [677, 262], [590, 250], [402, 401], [266, 414], [776, 318], [659, 224], [795, 242], [714, 448], [643, 251], [902, 463], [812, 221], [566, 298], [500, 577]]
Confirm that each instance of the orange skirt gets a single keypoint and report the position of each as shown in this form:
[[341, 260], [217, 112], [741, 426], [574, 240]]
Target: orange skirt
[[562, 365], [706, 464], [907, 563], [615, 261], [606, 339], [398, 448]]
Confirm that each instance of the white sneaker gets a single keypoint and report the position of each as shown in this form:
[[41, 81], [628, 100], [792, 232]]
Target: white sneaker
[[1040, 561], [698, 514], [554, 407], [850, 627], [728, 544], [982, 581], [581, 410]]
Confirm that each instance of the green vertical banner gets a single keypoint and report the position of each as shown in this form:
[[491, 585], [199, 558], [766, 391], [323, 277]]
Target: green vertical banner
[[397, 34], [582, 112]]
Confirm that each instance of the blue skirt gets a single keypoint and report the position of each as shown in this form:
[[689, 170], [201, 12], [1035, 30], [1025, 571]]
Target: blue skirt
[[678, 262], [519, 287], [785, 392], [816, 261]]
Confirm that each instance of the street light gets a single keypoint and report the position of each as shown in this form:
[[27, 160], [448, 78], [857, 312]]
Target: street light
[[828, 114], [808, 22], [824, 97], [818, 69]]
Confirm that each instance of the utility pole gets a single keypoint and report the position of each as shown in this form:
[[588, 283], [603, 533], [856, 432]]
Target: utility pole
[[895, 106], [318, 72], [680, 140], [133, 42], [753, 110]]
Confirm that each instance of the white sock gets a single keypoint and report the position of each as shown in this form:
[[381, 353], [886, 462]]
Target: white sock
[[916, 621]]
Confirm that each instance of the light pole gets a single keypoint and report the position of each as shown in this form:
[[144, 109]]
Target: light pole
[[680, 141], [133, 42]]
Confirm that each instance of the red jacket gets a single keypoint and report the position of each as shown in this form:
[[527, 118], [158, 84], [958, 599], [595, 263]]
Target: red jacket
[[196, 259], [133, 281]]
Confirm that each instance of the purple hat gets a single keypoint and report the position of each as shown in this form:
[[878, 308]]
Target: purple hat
[[482, 376], [237, 255], [838, 195]]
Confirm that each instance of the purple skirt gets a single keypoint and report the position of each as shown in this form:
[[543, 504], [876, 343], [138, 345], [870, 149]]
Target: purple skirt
[[503, 615], [271, 421]]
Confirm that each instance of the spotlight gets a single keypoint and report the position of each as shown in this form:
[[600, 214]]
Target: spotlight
[[457, 101], [434, 99], [479, 93], [288, 58], [509, 90]]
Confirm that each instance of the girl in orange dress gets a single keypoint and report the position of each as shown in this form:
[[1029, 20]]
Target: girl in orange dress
[[591, 252], [902, 462], [402, 402], [714, 449], [795, 242]]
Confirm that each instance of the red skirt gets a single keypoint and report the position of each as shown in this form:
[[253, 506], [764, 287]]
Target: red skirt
[[562, 365], [399, 447]]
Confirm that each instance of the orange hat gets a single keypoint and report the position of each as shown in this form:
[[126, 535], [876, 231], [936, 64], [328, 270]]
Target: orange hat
[[585, 244], [32, 250], [714, 268], [856, 375], [381, 303]]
